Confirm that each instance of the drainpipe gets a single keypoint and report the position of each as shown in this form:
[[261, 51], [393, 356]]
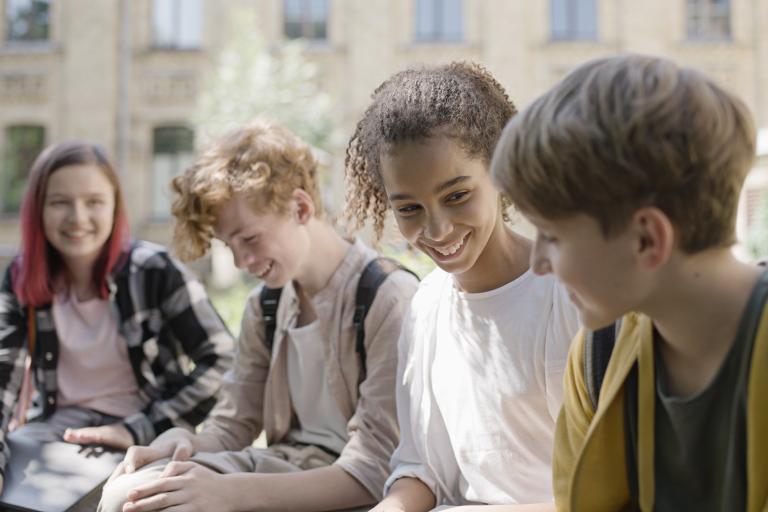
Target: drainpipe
[[757, 45], [123, 97]]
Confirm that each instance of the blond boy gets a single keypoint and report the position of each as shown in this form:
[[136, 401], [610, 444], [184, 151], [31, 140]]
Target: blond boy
[[330, 425], [630, 169]]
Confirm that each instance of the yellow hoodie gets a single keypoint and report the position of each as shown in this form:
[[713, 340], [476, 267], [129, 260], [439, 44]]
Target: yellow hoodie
[[589, 463]]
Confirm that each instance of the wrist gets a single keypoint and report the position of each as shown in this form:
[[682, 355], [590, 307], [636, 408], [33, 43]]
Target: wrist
[[132, 432], [244, 492]]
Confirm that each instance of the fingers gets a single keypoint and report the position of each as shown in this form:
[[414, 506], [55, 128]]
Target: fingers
[[159, 501], [183, 450], [139, 456], [159, 493], [86, 435], [116, 436], [160, 486], [176, 468]]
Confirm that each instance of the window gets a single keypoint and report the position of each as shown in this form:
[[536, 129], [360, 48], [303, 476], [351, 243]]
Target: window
[[439, 20], [177, 24], [573, 19], [306, 19], [708, 19], [27, 20], [172, 153], [22, 145]]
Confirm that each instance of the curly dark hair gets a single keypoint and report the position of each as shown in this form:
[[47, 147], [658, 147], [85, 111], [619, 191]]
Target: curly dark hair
[[460, 99]]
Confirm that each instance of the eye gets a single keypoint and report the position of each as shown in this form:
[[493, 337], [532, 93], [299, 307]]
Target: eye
[[408, 209], [546, 238], [457, 197], [96, 201], [253, 239]]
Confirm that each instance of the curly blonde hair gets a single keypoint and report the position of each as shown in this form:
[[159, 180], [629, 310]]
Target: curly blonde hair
[[262, 160], [461, 99]]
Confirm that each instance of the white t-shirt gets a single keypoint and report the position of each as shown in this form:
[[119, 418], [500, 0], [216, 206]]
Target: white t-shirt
[[480, 384], [320, 419]]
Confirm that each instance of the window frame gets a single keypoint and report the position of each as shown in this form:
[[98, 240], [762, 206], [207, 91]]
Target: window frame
[[701, 16], [9, 37], [439, 31], [307, 23], [573, 31], [178, 165], [174, 42]]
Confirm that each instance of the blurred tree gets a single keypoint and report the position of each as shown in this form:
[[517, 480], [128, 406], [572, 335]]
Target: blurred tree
[[251, 78], [757, 238]]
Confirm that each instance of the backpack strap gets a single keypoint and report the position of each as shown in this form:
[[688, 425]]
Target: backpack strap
[[374, 274], [269, 298], [598, 347]]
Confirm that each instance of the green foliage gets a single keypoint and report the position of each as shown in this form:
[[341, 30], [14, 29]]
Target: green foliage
[[757, 238], [230, 302], [23, 144], [252, 78], [411, 258]]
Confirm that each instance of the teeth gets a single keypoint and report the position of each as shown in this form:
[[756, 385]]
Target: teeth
[[452, 249], [263, 271]]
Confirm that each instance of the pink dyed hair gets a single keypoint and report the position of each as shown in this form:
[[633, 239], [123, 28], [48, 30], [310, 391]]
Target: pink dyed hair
[[39, 264]]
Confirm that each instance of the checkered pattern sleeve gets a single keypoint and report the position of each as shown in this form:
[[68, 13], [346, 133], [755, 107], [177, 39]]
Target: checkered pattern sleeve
[[180, 343], [13, 352]]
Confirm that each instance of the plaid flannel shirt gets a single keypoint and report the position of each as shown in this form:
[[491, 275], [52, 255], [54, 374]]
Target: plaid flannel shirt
[[166, 320]]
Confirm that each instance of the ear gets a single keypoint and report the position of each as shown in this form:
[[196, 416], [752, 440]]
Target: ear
[[303, 207], [655, 235]]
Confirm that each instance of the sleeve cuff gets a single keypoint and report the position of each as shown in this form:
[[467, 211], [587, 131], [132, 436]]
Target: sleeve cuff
[[141, 428], [133, 433], [416, 471]]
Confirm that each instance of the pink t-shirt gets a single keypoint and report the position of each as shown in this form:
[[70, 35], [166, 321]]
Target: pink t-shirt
[[93, 370]]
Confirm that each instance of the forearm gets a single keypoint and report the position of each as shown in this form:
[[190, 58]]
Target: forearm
[[408, 495], [328, 488]]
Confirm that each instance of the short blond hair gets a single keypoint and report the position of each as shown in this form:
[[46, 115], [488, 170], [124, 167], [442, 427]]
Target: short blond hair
[[261, 160], [624, 132]]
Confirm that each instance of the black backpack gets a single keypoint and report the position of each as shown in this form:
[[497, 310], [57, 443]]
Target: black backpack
[[598, 347], [373, 275]]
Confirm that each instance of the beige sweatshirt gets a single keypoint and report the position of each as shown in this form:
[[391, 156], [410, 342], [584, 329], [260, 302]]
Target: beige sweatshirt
[[256, 396]]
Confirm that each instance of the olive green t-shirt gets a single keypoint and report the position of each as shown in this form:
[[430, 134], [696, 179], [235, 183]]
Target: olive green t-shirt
[[701, 440]]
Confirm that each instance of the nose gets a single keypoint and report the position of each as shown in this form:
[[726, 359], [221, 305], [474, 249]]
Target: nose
[[243, 258], [438, 227], [78, 212], [539, 261]]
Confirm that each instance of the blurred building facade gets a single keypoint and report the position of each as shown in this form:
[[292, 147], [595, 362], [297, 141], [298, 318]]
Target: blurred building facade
[[127, 73]]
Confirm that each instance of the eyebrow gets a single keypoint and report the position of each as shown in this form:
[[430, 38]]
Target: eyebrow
[[88, 195], [438, 189], [233, 234]]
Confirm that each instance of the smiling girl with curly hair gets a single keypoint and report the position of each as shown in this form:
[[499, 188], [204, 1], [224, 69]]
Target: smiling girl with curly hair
[[483, 349]]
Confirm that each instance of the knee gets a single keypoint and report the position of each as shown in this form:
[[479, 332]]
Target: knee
[[114, 494]]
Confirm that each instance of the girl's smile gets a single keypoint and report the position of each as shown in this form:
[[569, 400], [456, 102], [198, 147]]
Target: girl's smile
[[78, 212], [446, 205]]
